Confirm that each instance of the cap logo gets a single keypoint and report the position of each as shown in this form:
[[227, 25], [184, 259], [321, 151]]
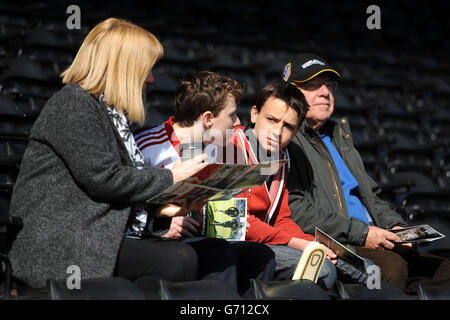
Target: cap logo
[[287, 72], [311, 62]]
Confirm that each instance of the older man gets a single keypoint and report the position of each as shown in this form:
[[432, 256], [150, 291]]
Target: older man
[[330, 189]]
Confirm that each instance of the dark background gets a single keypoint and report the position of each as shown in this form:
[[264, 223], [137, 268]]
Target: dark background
[[395, 88]]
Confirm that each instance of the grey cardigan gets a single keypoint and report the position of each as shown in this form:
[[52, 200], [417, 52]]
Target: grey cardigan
[[75, 191]]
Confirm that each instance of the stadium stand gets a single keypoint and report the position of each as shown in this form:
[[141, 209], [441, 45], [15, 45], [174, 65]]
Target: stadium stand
[[395, 92]]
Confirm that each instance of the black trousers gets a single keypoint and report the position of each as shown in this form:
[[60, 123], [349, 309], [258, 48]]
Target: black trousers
[[233, 262], [170, 260], [147, 260]]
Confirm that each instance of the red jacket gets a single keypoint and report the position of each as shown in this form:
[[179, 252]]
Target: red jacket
[[279, 228]]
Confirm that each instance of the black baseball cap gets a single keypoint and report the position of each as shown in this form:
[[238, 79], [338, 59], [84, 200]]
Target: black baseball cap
[[305, 66]]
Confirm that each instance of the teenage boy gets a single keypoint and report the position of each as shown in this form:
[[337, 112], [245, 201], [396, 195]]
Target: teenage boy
[[205, 108], [280, 109]]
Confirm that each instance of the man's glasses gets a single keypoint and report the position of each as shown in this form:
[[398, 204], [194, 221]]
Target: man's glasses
[[314, 85]]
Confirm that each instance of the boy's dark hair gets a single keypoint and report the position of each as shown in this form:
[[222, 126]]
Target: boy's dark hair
[[286, 92], [203, 91]]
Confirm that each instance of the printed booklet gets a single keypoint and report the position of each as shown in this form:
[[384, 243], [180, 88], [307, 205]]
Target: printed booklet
[[218, 181], [226, 219], [421, 233], [341, 251]]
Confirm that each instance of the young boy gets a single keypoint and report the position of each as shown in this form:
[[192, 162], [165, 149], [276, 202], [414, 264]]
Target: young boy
[[279, 111], [205, 108]]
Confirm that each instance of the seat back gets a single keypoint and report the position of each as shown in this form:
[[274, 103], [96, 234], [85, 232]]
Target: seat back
[[287, 290], [207, 289], [433, 291], [95, 289], [357, 291]]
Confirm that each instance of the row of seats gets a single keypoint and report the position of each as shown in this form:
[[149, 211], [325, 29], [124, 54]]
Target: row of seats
[[122, 289]]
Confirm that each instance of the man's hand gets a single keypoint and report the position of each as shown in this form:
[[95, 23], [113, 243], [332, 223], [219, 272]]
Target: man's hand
[[409, 244], [380, 238], [182, 227]]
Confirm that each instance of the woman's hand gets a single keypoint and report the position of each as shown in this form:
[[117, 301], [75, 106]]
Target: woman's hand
[[171, 210], [186, 169]]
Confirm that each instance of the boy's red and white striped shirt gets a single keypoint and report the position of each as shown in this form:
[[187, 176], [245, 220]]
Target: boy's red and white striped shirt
[[159, 145]]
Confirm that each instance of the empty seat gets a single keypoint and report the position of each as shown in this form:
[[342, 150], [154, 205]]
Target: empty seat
[[10, 126], [442, 179], [12, 150], [406, 139], [287, 290], [433, 291], [209, 289], [432, 208], [8, 175], [357, 291], [9, 228], [19, 108], [430, 202], [402, 159], [63, 56], [5, 196], [400, 184], [163, 83], [440, 129], [364, 136], [50, 39], [22, 77], [413, 180], [95, 289], [28, 69], [30, 88]]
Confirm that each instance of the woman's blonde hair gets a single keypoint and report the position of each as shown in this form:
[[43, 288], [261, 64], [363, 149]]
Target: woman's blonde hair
[[115, 59]]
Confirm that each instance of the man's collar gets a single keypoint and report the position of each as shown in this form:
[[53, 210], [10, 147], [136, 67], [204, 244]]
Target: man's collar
[[327, 128]]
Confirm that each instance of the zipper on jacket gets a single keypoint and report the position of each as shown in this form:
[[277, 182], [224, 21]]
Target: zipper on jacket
[[341, 208], [340, 147], [363, 197]]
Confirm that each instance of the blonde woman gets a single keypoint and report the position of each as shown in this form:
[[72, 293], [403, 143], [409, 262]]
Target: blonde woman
[[82, 185]]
